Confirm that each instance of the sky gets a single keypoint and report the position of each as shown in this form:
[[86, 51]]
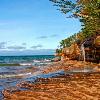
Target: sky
[[29, 27]]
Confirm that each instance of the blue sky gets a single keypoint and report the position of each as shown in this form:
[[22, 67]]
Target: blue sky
[[33, 27]]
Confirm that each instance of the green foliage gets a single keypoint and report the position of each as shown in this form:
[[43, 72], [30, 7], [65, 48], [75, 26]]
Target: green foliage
[[92, 23], [58, 50], [68, 41], [87, 11], [66, 6]]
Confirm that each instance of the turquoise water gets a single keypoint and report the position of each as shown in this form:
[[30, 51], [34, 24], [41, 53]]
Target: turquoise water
[[15, 69], [24, 59]]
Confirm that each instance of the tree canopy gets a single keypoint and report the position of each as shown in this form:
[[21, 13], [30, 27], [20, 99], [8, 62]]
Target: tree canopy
[[88, 13]]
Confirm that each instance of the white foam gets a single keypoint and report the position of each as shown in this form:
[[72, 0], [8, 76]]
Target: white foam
[[25, 64], [15, 75], [47, 60], [36, 61]]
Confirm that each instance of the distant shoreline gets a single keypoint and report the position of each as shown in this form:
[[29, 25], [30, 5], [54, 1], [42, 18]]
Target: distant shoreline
[[23, 55]]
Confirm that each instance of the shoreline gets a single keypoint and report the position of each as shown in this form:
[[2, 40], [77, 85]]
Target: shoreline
[[71, 65], [57, 85]]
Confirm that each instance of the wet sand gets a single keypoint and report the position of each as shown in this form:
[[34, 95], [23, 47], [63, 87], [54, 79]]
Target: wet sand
[[76, 86]]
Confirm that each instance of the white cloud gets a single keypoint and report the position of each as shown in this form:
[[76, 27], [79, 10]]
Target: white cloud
[[37, 46], [3, 45], [16, 47], [49, 36]]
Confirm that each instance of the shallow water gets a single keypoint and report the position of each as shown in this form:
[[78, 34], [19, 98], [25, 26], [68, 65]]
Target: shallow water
[[14, 70], [10, 76]]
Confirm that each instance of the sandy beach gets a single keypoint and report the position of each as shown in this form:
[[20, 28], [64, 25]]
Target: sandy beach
[[79, 85]]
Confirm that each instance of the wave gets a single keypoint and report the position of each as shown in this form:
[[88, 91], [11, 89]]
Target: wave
[[25, 64], [15, 75], [36, 61], [17, 64], [9, 64], [43, 60], [46, 60]]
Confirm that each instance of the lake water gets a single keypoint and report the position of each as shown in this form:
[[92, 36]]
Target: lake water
[[15, 69]]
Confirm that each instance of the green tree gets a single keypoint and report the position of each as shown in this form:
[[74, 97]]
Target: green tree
[[88, 12]]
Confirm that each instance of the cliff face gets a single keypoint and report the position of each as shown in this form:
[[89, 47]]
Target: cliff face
[[71, 52], [92, 48], [88, 50]]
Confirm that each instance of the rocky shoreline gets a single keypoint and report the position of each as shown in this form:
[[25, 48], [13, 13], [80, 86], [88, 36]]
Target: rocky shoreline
[[78, 85], [71, 65]]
